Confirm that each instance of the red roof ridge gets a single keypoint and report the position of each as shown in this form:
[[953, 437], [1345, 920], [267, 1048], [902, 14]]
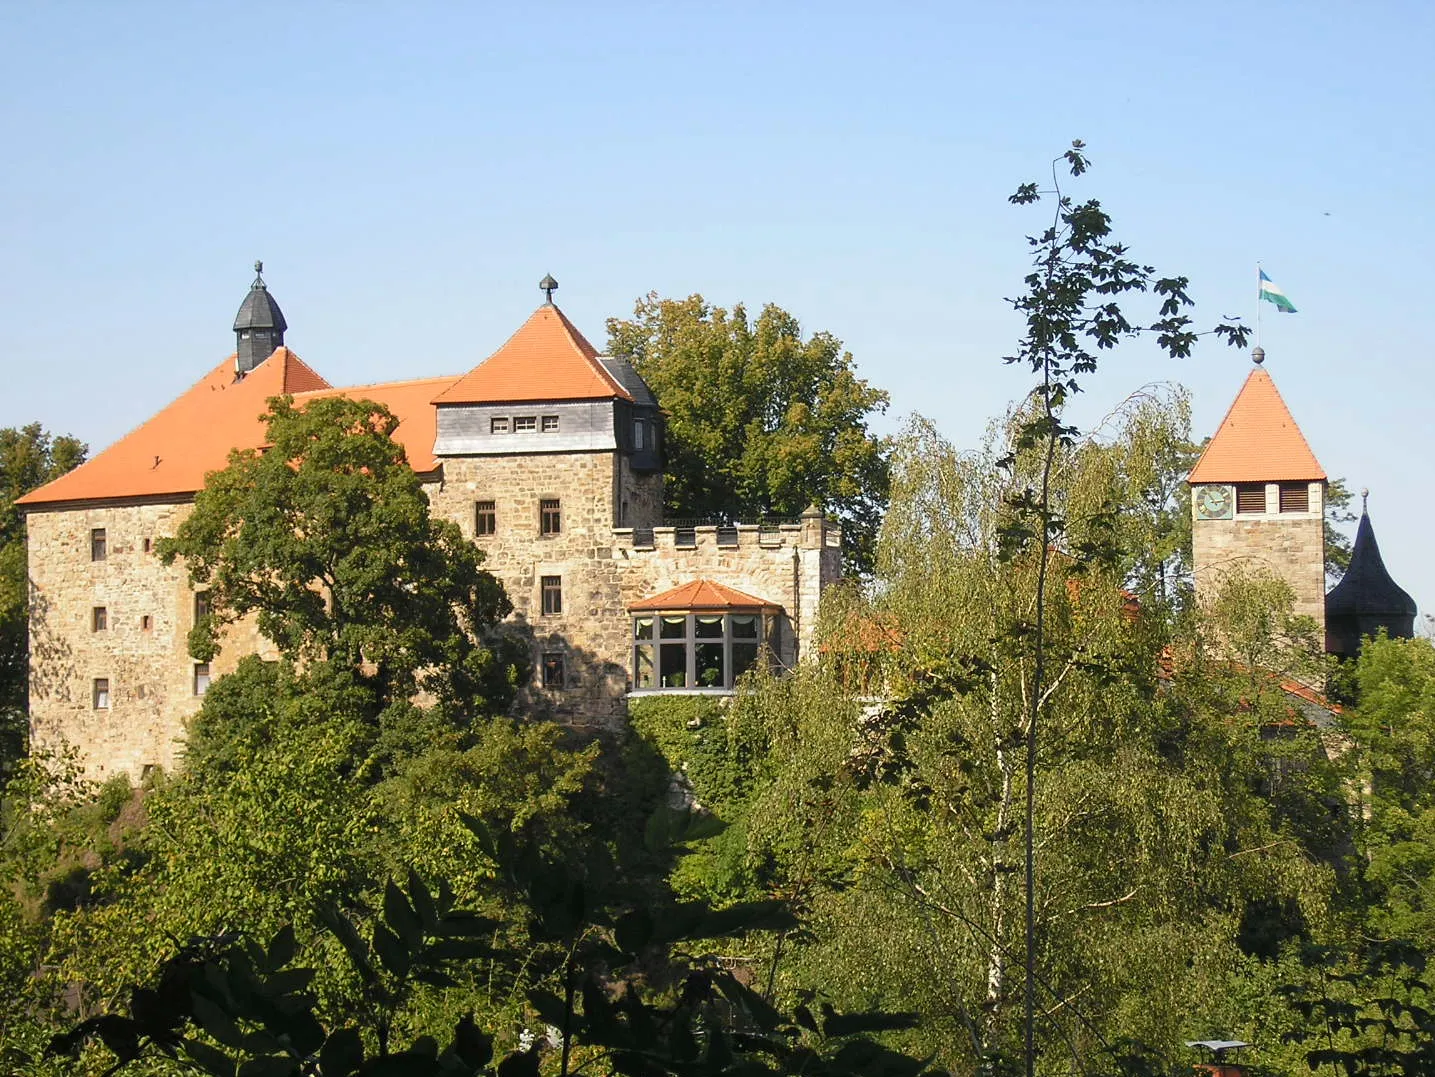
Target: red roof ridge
[[702, 594], [397, 383], [1258, 440], [546, 359]]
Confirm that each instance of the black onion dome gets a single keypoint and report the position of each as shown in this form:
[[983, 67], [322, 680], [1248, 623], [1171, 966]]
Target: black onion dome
[[1366, 599], [259, 311]]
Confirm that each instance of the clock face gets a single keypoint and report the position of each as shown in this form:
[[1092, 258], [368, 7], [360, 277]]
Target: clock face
[[1213, 503]]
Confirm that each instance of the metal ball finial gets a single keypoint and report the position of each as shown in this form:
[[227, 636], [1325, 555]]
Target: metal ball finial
[[1364, 497], [549, 285], [1259, 355]]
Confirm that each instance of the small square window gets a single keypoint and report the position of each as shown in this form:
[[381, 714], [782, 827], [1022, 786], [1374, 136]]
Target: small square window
[[100, 694], [485, 518], [550, 424], [552, 589], [525, 424], [99, 619], [1295, 497], [550, 516], [1251, 497], [201, 678], [146, 622], [553, 672], [498, 425], [97, 544]]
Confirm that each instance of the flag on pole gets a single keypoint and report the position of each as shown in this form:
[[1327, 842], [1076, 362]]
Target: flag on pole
[[1271, 293]]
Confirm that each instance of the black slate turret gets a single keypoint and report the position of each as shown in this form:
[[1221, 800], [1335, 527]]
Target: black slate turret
[[258, 327], [1366, 599]]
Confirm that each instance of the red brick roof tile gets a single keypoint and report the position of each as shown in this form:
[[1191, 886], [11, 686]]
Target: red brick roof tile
[[547, 359], [1258, 441], [169, 455], [703, 595]]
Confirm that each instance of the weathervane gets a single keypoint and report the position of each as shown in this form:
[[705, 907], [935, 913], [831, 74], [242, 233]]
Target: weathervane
[[549, 285]]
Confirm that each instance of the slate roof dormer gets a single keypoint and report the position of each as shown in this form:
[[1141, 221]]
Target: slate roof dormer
[[1257, 441], [1366, 599]]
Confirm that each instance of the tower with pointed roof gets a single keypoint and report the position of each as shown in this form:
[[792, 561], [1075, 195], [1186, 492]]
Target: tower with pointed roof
[[1366, 601], [1258, 498], [258, 327]]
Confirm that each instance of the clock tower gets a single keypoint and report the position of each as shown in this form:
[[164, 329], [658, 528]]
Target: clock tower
[[1258, 498]]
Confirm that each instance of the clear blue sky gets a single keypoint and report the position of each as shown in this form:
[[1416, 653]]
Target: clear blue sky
[[409, 171]]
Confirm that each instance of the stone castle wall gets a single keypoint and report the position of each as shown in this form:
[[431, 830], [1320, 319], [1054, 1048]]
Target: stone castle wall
[[142, 650], [1292, 545]]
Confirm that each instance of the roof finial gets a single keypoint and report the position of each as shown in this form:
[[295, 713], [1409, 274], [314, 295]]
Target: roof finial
[[1364, 498], [549, 285], [1259, 355], [258, 274]]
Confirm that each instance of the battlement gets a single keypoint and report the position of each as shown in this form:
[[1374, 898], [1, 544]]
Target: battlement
[[811, 532]]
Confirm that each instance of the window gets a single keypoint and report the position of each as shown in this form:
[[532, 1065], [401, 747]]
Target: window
[[1295, 497], [550, 424], [498, 424], [695, 650], [101, 694], [550, 516], [1251, 497], [525, 424], [146, 622], [97, 544], [201, 606], [201, 678], [640, 430], [99, 619], [552, 593], [553, 670], [149, 545], [485, 518]]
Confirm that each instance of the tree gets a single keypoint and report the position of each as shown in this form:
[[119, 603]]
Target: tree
[[325, 534], [1338, 544], [29, 457], [761, 421]]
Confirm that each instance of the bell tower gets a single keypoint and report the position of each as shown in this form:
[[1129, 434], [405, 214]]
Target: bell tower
[[1258, 497]]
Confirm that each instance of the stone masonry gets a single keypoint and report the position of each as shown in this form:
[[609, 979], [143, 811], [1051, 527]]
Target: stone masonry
[[1290, 544]]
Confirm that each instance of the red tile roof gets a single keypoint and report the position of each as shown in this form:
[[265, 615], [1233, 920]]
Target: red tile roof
[[1258, 441], [169, 455], [547, 359], [703, 595]]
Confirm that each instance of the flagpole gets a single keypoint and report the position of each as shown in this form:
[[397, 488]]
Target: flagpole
[[1258, 304]]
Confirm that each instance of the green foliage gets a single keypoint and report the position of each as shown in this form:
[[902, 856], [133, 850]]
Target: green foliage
[[1394, 733], [760, 420], [325, 534], [29, 457], [1338, 515]]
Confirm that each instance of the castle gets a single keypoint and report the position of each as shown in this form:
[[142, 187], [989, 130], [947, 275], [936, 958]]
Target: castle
[[547, 455]]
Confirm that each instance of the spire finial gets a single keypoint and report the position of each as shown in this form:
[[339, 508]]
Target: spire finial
[[258, 274], [1259, 355], [549, 285], [1364, 498]]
